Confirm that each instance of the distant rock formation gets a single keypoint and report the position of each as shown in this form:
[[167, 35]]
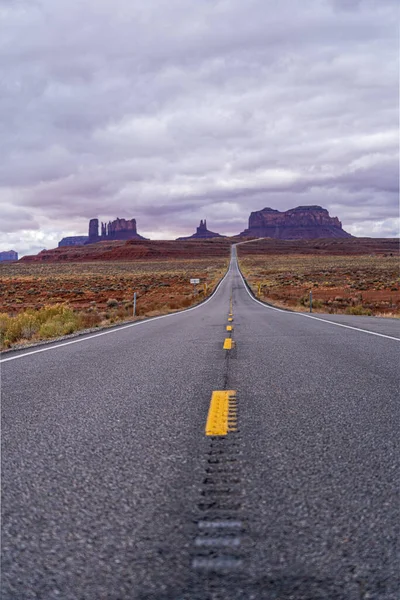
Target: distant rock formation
[[8, 255], [76, 240], [303, 222], [202, 233], [120, 229]]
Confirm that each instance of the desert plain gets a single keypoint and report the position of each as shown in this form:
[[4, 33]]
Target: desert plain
[[358, 276], [65, 290]]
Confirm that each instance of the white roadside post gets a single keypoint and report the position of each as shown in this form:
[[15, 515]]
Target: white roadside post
[[310, 301], [134, 304]]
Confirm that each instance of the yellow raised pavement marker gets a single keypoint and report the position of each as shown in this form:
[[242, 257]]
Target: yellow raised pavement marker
[[229, 327], [230, 319], [228, 344], [222, 414]]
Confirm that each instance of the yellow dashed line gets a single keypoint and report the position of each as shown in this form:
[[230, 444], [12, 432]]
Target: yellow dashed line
[[229, 327], [228, 344], [222, 416], [230, 319]]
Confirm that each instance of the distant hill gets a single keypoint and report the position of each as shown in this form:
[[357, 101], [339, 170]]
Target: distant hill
[[120, 250], [8, 255]]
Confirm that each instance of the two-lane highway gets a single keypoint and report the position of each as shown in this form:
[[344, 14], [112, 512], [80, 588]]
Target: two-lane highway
[[112, 489]]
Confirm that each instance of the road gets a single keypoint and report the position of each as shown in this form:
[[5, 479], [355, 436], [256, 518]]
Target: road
[[112, 489]]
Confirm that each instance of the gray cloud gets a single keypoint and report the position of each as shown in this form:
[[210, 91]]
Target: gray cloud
[[171, 112]]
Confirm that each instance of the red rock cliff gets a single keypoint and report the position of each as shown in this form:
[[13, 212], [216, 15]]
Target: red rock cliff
[[120, 229], [303, 222]]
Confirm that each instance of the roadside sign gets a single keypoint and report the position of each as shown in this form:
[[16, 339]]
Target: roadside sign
[[195, 281]]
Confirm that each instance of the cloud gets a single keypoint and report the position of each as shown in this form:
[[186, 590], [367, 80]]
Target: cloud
[[180, 111]]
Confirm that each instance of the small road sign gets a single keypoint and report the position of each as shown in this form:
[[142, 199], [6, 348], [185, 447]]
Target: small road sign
[[195, 281]]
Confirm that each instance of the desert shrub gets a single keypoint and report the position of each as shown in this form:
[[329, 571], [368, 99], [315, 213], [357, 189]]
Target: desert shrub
[[47, 322], [29, 325], [317, 303], [13, 330], [70, 327], [359, 309], [305, 301], [112, 303], [4, 320], [90, 319], [52, 328], [24, 325], [121, 313]]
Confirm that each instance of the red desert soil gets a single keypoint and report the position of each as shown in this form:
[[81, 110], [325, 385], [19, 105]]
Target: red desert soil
[[102, 277], [353, 276], [359, 274], [134, 250]]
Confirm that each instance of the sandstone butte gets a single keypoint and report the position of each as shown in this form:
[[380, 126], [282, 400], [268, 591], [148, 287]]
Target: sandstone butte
[[202, 233], [301, 223], [120, 229], [118, 239]]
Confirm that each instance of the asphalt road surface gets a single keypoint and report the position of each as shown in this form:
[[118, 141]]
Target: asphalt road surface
[[112, 489]]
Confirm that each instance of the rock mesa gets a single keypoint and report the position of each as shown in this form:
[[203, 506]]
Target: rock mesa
[[120, 229], [303, 222]]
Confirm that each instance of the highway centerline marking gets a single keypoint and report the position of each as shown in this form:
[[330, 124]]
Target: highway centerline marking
[[222, 416], [229, 327], [228, 343]]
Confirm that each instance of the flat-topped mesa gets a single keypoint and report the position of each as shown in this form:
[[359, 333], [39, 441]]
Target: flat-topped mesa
[[202, 233], [120, 229], [8, 255], [303, 222]]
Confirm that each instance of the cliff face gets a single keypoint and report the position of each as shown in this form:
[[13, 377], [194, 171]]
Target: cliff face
[[303, 222], [120, 229], [202, 233]]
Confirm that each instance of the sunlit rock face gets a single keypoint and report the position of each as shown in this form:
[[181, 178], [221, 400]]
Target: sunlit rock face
[[303, 222]]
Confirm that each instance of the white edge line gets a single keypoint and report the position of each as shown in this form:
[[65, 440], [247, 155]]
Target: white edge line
[[117, 329], [299, 314]]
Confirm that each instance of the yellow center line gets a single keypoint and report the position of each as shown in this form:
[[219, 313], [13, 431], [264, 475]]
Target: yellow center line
[[229, 327], [230, 319], [228, 344], [222, 413]]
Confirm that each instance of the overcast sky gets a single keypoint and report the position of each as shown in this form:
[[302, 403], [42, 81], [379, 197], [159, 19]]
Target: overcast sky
[[171, 111]]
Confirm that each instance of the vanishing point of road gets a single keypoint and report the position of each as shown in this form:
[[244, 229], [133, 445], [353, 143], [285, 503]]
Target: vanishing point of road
[[230, 451]]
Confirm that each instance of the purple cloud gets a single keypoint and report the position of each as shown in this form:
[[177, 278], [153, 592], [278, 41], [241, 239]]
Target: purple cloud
[[172, 112]]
